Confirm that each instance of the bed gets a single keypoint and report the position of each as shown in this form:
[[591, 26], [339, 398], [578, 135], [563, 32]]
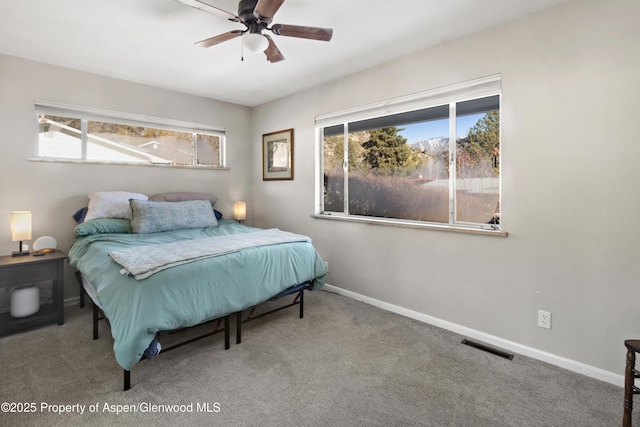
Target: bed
[[190, 291]]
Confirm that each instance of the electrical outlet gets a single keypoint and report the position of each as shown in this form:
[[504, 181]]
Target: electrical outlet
[[326, 265], [544, 319]]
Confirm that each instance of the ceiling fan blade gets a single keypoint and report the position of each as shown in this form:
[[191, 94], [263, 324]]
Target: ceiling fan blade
[[265, 9], [219, 38], [272, 51], [313, 33], [211, 9]]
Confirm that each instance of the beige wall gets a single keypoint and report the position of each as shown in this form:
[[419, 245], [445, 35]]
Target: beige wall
[[570, 201], [54, 191]]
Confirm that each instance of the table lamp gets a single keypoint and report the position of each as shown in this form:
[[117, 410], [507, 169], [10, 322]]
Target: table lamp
[[20, 229], [240, 211]]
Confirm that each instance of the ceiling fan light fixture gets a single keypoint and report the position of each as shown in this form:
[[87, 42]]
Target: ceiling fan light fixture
[[255, 42]]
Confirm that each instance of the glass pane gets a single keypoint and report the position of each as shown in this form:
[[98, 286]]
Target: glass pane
[[478, 167], [59, 137], [208, 148], [125, 143], [400, 172], [333, 172]]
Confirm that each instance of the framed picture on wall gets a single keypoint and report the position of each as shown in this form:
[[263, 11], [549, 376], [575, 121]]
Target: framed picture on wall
[[277, 155]]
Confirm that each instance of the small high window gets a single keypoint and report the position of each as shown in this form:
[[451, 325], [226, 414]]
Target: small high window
[[74, 134]]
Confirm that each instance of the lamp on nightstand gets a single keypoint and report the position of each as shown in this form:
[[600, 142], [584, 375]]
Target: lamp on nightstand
[[240, 211], [20, 229]]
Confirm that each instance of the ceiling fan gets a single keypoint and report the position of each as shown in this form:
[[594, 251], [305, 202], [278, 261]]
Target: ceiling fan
[[256, 15]]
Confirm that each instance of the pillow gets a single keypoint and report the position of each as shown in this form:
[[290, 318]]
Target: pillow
[[111, 204], [80, 214], [184, 196], [155, 217], [103, 226]]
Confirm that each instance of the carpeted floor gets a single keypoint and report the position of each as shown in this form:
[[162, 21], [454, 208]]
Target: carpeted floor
[[345, 364]]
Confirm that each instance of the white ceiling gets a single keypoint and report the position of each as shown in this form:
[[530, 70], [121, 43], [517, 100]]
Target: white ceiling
[[152, 41]]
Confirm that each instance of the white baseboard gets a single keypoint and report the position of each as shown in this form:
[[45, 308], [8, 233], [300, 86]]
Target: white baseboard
[[572, 365]]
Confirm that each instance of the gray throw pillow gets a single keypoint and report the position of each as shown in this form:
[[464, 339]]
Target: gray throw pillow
[[155, 217]]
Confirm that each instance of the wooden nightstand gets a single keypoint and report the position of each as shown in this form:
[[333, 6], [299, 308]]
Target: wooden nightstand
[[28, 269]]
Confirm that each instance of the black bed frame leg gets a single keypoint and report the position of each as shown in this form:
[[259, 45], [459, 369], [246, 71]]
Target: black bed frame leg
[[95, 321], [302, 303], [226, 332], [238, 327], [79, 277], [82, 298], [127, 380]]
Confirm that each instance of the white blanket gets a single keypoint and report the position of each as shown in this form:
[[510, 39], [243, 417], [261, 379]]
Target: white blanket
[[143, 261]]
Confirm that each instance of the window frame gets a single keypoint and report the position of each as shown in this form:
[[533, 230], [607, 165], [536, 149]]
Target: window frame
[[445, 96], [86, 114]]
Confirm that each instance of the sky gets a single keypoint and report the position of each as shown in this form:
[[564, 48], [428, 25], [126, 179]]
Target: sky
[[435, 128]]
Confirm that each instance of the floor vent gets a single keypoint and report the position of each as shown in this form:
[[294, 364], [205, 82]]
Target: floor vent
[[483, 347]]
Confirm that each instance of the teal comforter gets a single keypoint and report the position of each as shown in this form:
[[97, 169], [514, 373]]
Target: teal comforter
[[188, 294]]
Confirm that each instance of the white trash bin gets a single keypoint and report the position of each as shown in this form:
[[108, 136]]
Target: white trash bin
[[25, 301]]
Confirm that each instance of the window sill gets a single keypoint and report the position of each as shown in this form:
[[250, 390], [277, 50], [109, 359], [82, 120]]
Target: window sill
[[95, 162], [411, 224]]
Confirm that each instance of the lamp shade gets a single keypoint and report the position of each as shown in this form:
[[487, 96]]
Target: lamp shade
[[239, 211], [20, 225], [255, 42]]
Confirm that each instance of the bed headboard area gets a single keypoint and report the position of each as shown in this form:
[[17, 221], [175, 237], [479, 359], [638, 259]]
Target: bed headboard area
[[162, 206]]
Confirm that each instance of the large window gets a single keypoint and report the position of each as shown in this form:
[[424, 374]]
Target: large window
[[71, 133], [430, 158]]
